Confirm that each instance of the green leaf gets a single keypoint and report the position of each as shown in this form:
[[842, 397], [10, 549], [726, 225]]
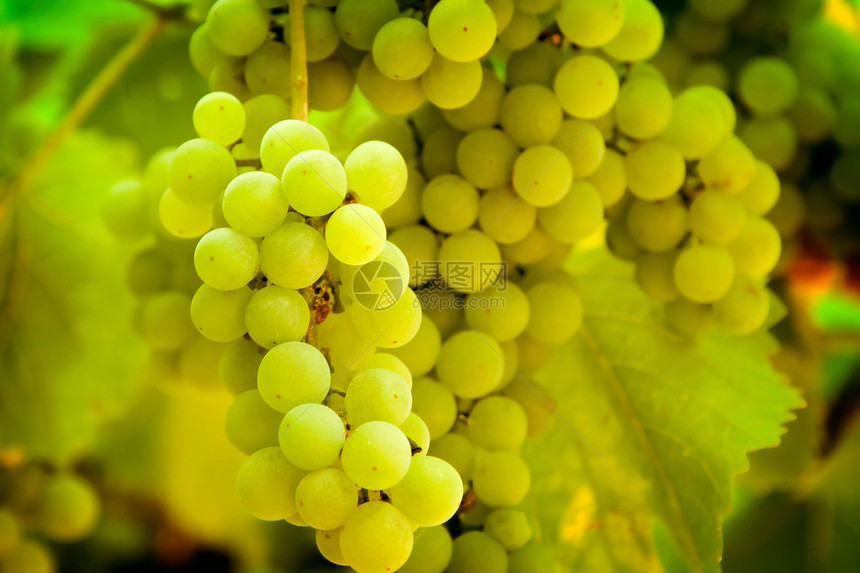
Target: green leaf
[[668, 422]]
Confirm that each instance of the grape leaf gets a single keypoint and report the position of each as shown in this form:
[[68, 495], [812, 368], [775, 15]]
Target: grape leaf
[[655, 428]]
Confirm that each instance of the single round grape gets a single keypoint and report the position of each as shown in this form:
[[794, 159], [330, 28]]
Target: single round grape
[[704, 273], [503, 11], [267, 484], [225, 259], [644, 108], [376, 455], [254, 204], [590, 23], [292, 374], [284, 140], [586, 86], [521, 32], [219, 117], [68, 509], [757, 248], [556, 313], [451, 84], [462, 30], [416, 430], [533, 248], [716, 218], [431, 551], [402, 49], [125, 211], [358, 21], [498, 424], [397, 97], [767, 85], [744, 308], [237, 27], [655, 275], [200, 170], [771, 139], [504, 216], [294, 256], [330, 84], [328, 544], [470, 364], [470, 261], [376, 538], [501, 479], [450, 203], [355, 234], [220, 315], [314, 183], [202, 52], [386, 361], [321, 34], [510, 527], [377, 394], [542, 175], [577, 216], [583, 145], [430, 492], [377, 172], [655, 170], [486, 157], [250, 424], [531, 115], [640, 35], [503, 312], [275, 315], [326, 498], [484, 110], [311, 436], [657, 226], [729, 167], [420, 353], [698, 124], [477, 552], [724, 103]]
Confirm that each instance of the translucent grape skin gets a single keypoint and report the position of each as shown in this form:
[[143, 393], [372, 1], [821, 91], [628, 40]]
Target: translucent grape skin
[[704, 273], [294, 256], [430, 492], [220, 117], [311, 436], [314, 182], [462, 30], [267, 483], [450, 203], [377, 394], [402, 49], [586, 86], [69, 508], [292, 374], [275, 315], [220, 315], [449, 84], [510, 527], [470, 364], [225, 259], [237, 27], [477, 552], [200, 170], [355, 234], [590, 23], [253, 204], [376, 537], [376, 455], [501, 479], [377, 172], [326, 498], [497, 423], [431, 551], [250, 424], [435, 404]]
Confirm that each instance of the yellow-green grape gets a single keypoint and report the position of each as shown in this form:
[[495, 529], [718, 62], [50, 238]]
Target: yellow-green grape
[[261, 113], [462, 30], [220, 315], [284, 140], [586, 86], [275, 315], [704, 273], [757, 248], [296, 520], [162, 320], [228, 76], [644, 108], [503, 11], [311, 436], [358, 21], [292, 374], [377, 172], [355, 234], [376, 538], [536, 64], [293, 256], [762, 192], [250, 424], [484, 110], [719, 97], [501, 479], [68, 508], [328, 544], [267, 483], [729, 167], [577, 216], [330, 84], [125, 211], [590, 23], [253, 204], [431, 551], [449, 84], [655, 170], [719, 10], [225, 259], [657, 226], [510, 527], [655, 275], [470, 364], [521, 32], [504, 216], [416, 430], [430, 492], [203, 53], [531, 115], [376, 455], [767, 85], [789, 213], [450, 203], [477, 552], [498, 424], [406, 211], [470, 261], [641, 33], [698, 124], [418, 244], [502, 312], [439, 152], [219, 117], [321, 34], [420, 353], [30, 557], [716, 218], [486, 157], [326, 498], [690, 318], [536, 402], [389, 326], [402, 49], [200, 170], [534, 247], [458, 451], [314, 183], [744, 308], [435, 404], [237, 27], [10, 534], [377, 278], [377, 394], [396, 97], [542, 175], [386, 361], [814, 114], [533, 558], [346, 346], [610, 178], [556, 313], [771, 139]]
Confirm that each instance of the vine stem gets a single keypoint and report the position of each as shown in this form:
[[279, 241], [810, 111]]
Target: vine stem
[[298, 61]]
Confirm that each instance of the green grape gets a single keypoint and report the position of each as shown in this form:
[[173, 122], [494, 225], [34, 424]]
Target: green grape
[[576, 217], [203, 53], [253, 204], [536, 64], [501, 479], [328, 544], [744, 308], [377, 394], [416, 430], [330, 84], [757, 248], [470, 261], [219, 117], [716, 218], [267, 484], [402, 49], [534, 247], [729, 167], [657, 226], [451, 84], [250, 424], [238, 366], [586, 86], [590, 23], [314, 183], [470, 364], [418, 244], [767, 85], [501, 312], [610, 178], [376, 455], [537, 404], [220, 315], [719, 10], [542, 175], [284, 140], [644, 108], [125, 210], [406, 211], [346, 346], [198, 363], [237, 27], [498, 424], [377, 172], [293, 256], [321, 33], [10, 534], [30, 557], [381, 282], [261, 113], [655, 275], [510, 527], [431, 551], [484, 110], [724, 103], [228, 75], [789, 213], [392, 326], [275, 315], [773, 140], [521, 32], [556, 313], [450, 203], [439, 152], [704, 273], [225, 259], [640, 35], [503, 11], [477, 552], [504, 216], [698, 124], [583, 145], [486, 158], [200, 170], [430, 492], [311, 436], [68, 508], [531, 115], [326, 498], [292, 374], [435, 404], [358, 21], [396, 97], [162, 321], [355, 234], [533, 558], [420, 353], [762, 193], [462, 30], [458, 451], [376, 538], [814, 114], [655, 170]]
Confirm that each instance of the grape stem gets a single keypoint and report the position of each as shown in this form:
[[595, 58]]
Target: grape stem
[[298, 61]]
